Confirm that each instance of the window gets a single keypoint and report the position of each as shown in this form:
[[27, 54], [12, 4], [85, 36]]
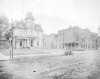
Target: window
[[38, 43], [21, 43]]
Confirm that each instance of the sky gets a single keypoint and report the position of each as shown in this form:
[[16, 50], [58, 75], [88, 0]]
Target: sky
[[54, 15]]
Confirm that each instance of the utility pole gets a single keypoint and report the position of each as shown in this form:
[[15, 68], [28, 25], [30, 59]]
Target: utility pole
[[12, 47], [11, 44], [96, 43], [63, 39]]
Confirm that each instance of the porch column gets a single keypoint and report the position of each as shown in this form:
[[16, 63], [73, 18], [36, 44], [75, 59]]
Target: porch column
[[25, 42], [28, 42]]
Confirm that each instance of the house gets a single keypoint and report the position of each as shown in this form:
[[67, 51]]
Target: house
[[27, 34]]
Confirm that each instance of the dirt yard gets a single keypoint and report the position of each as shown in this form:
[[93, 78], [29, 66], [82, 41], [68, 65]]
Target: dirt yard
[[81, 65]]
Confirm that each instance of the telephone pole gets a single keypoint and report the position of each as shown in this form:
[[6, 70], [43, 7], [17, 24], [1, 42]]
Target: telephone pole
[[11, 44], [63, 40]]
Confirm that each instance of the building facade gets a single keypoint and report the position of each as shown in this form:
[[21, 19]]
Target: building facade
[[75, 37], [50, 41], [27, 34]]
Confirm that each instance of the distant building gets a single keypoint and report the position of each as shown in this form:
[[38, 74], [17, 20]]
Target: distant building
[[75, 37], [50, 41], [65, 37]]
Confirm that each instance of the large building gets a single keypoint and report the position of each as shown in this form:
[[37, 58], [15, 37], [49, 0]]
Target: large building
[[27, 34], [71, 38], [75, 37]]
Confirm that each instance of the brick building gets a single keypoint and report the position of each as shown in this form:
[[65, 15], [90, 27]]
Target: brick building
[[76, 37]]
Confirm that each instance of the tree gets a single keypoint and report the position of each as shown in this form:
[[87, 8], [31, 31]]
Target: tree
[[8, 33], [4, 25]]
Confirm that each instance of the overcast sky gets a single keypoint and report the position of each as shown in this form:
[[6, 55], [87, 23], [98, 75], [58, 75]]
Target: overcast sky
[[55, 14]]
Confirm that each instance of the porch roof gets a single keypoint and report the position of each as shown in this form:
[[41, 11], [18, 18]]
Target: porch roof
[[24, 33]]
